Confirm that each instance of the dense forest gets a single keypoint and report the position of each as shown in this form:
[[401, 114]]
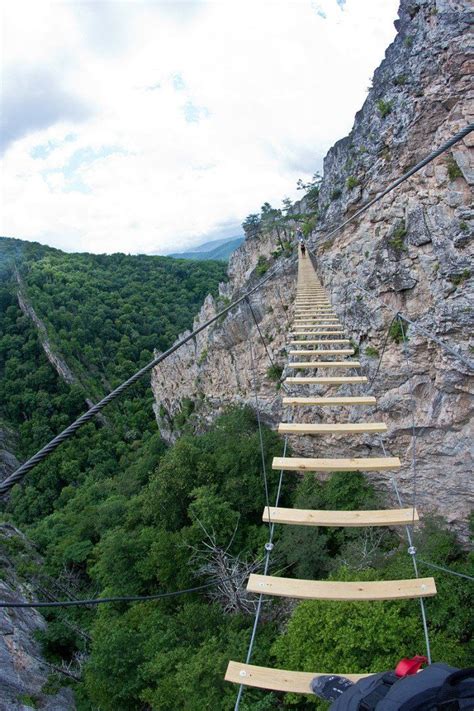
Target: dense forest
[[116, 512], [103, 315]]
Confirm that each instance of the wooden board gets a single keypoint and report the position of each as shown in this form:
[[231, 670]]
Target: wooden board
[[277, 679], [353, 519], [318, 352], [331, 401], [316, 333], [336, 590], [314, 429], [323, 352], [327, 380], [317, 324], [312, 464], [307, 342], [325, 364]]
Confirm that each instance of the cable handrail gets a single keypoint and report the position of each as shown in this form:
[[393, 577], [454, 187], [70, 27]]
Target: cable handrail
[[19, 474], [435, 154]]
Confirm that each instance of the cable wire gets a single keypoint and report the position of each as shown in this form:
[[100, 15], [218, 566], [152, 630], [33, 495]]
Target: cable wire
[[413, 427], [102, 600], [447, 570], [268, 549], [412, 552], [264, 342], [444, 147], [260, 432], [21, 472]]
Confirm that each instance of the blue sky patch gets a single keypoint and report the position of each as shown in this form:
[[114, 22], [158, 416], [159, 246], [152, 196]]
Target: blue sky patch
[[178, 82], [193, 113]]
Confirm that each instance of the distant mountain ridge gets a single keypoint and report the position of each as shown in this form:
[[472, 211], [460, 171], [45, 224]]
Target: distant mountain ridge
[[220, 249]]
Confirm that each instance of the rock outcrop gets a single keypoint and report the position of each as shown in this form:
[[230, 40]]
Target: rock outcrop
[[24, 673], [8, 461], [411, 253]]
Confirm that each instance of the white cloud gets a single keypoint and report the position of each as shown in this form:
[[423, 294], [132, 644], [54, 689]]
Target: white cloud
[[199, 112]]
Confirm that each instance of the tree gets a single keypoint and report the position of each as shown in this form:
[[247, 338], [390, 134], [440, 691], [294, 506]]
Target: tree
[[252, 226], [311, 190]]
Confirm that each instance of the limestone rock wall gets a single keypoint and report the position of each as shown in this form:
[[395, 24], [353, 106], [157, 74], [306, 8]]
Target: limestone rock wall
[[23, 670], [412, 252]]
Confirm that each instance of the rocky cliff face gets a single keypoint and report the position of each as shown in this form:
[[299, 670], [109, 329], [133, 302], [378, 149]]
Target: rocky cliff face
[[8, 461], [24, 674], [411, 251]]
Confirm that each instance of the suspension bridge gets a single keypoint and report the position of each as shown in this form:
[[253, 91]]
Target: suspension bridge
[[316, 329]]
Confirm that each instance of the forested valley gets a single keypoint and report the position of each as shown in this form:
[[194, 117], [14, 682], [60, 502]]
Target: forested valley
[[115, 511]]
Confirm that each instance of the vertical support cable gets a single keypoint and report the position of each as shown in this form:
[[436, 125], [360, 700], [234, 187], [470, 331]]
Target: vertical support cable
[[260, 433], [413, 427], [412, 552], [268, 550]]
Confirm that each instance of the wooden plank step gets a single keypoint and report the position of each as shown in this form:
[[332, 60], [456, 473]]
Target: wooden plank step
[[315, 324], [349, 427], [313, 320], [319, 343], [277, 679], [353, 519], [336, 590], [323, 352], [325, 364], [317, 333], [331, 401], [311, 464], [324, 380]]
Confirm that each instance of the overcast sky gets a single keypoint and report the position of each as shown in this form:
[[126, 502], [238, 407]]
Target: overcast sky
[[153, 126]]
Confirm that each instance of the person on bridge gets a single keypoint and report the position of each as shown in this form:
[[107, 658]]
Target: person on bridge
[[439, 687]]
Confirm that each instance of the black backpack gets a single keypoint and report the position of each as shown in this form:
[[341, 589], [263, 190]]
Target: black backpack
[[439, 687]]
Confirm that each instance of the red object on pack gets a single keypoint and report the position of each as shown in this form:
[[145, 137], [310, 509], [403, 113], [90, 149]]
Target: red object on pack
[[407, 667]]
